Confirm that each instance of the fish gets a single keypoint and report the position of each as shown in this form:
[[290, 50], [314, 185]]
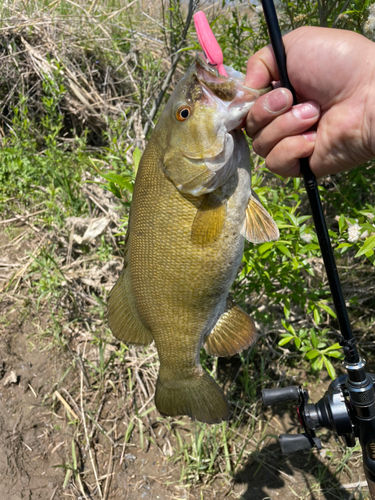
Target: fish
[[191, 210]]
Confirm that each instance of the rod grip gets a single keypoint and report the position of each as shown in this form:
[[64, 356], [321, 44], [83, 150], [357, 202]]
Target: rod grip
[[273, 396]]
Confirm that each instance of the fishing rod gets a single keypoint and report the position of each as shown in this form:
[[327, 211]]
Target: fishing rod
[[348, 406]]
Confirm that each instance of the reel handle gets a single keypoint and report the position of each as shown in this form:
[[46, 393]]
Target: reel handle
[[273, 396], [289, 443]]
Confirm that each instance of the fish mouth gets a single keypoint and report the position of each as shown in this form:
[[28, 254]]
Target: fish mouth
[[221, 86], [228, 92]]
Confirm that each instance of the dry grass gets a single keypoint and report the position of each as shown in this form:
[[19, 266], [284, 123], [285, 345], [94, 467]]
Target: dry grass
[[112, 60]]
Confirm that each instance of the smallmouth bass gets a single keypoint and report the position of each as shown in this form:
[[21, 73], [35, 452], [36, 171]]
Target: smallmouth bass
[[192, 208]]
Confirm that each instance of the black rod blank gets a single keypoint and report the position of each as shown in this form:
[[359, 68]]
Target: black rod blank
[[313, 195]]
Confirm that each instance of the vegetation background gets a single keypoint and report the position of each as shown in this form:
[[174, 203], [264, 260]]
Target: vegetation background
[[81, 87]]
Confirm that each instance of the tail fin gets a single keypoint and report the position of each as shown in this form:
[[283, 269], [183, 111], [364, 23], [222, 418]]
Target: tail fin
[[200, 398]]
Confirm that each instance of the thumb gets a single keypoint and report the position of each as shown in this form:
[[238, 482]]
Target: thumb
[[261, 69]]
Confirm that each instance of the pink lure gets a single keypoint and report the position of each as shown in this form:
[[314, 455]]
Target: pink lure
[[208, 42]]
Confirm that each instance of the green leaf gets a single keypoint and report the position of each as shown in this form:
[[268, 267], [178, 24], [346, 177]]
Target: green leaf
[[332, 234], [335, 354], [303, 218], [285, 340], [342, 223], [114, 189], [288, 327], [265, 255], [74, 456], [67, 476], [287, 308], [314, 339], [317, 364], [329, 367], [308, 248], [137, 155], [295, 263], [266, 246], [284, 250], [128, 431], [312, 354], [117, 179], [292, 219], [320, 363], [333, 347], [316, 316], [296, 183], [305, 348], [327, 309], [368, 245], [146, 412], [344, 245], [297, 342]]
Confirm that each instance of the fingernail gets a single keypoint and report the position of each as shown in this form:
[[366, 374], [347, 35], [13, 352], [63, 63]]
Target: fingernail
[[306, 110], [310, 136], [276, 101]]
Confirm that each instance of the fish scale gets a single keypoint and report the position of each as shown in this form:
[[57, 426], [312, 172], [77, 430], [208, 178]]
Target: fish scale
[[185, 242]]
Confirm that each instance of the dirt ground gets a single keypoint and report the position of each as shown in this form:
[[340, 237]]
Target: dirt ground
[[39, 450]]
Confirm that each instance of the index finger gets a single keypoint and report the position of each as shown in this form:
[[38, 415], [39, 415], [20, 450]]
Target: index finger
[[261, 69]]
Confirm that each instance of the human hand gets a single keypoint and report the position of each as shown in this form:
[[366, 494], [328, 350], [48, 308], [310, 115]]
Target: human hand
[[332, 72]]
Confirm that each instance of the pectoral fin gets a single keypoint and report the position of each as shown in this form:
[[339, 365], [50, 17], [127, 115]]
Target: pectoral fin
[[234, 332], [123, 318], [209, 220], [259, 226]]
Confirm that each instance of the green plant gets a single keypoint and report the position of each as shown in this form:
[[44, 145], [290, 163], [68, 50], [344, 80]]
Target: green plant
[[72, 468], [314, 345], [33, 157]]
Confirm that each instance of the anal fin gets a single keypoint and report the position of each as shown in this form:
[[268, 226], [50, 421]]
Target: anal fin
[[123, 319], [209, 220], [234, 332], [259, 226]]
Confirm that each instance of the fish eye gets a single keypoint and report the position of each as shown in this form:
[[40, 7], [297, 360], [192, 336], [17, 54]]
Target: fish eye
[[183, 113]]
